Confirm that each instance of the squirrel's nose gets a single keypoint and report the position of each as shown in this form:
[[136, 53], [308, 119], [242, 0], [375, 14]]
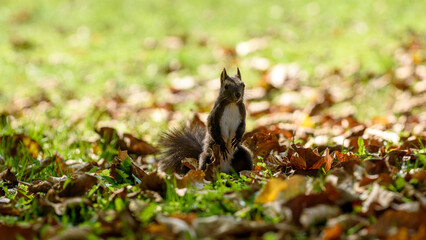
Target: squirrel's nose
[[238, 95]]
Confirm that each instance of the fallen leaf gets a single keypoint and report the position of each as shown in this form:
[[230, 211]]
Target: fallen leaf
[[227, 227], [414, 142], [78, 185], [15, 231], [324, 100], [306, 121], [332, 148], [333, 233], [176, 226], [383, 179], [40, 186], [73, 233], [154, 182], [392, 220], [378, 199], [9, 178], [312, 216], [375, 166], [127, 142], [192, 177], [421, 176], [300, 202], [262, 143], [308, 159], [63, 206], [136, 145], [346, 157], [394, 157], [296, 185], [297, 161], [325, 160], [13, 143], [270, 191], [136, 170], [191, 163]]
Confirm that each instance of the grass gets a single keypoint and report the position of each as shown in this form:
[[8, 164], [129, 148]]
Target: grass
[[79, 43]]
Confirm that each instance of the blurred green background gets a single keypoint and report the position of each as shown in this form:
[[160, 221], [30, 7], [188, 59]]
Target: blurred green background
[[64, 50]]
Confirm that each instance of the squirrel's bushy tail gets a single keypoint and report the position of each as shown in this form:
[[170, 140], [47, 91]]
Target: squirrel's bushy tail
[[179, 144]]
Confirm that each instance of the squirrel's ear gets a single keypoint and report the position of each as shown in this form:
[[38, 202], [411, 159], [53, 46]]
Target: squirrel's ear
[[223, 76], [238, 73]]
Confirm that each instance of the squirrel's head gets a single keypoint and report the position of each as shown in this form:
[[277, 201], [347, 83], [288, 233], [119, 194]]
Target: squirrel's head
[[231, 88]]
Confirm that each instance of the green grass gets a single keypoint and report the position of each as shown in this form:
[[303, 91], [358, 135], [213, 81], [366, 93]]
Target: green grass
[[81, 45]]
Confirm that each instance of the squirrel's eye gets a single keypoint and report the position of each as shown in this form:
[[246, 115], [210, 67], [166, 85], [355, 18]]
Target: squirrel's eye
[[226, 86]]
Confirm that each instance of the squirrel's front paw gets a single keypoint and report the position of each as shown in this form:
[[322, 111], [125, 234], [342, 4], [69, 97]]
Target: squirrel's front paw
[[224, 151], [235, 141]]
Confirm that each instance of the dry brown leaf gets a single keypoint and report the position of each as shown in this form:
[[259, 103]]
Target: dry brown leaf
[[392, 220], [127, 142], [192, 177], [16, 140], [346, 157], [136, 170], [136, 145], [375, 166], [315, 215], [394, 157], [186, 217], [297, 162], [80, 232], [40, 186], [325, 160], [13, 231], [9, 209], [78, 185], [196, 121], [9, 178], [62, 205], [308, 159], [414, 142], [383, 179], [300, 202], [227, 227], [262, 143], [154, 182], [158, 229], [332, 148], [421, 176], [191, 163]]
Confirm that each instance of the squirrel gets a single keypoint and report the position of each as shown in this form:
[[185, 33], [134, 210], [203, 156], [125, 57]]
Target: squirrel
[[225, 128]]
